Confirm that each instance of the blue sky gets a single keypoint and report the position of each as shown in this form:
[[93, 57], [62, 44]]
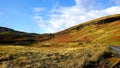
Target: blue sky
[[44, 16]]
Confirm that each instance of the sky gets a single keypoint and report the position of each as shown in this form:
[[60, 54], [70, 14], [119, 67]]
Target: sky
[[49, 16]]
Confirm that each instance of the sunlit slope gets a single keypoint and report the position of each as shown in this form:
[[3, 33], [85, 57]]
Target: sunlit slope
[[101, 30]]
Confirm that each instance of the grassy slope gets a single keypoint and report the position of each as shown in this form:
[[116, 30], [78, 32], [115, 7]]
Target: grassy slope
[[93, 31]]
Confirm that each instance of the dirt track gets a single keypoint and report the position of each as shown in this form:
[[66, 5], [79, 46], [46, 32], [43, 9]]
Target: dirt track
[[117, 50]]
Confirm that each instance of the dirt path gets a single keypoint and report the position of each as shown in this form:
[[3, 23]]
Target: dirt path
[[117, 50]]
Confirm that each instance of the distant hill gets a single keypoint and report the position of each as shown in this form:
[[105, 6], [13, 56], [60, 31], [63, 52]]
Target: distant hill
[[4, 29], [10, 36]]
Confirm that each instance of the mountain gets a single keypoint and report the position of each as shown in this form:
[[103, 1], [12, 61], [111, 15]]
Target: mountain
[[101, 30]]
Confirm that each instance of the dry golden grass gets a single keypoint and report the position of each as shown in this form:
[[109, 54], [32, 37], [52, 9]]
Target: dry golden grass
[[57, 57]]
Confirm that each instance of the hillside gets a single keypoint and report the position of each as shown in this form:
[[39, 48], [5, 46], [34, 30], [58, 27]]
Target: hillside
[[102, 30]]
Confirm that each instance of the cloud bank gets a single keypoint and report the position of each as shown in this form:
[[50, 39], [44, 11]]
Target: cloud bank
[[60, 18]]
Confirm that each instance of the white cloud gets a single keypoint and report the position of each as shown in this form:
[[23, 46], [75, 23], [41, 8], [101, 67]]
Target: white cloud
[[61, 18], [112, 10]]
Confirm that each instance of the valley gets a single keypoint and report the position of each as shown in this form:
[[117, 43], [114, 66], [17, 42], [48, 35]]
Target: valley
[[82, 46]]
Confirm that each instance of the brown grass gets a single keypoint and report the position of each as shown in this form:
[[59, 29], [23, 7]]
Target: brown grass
[[59, 57]]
